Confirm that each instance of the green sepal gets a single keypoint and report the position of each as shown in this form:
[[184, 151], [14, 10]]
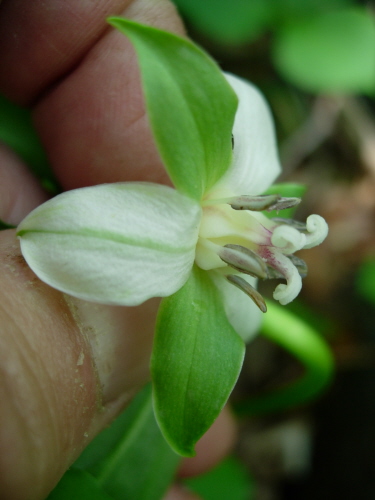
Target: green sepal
[[196, 360], [190, 105]]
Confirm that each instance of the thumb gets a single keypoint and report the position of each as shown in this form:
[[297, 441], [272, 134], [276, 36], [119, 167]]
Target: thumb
[[67, 367]]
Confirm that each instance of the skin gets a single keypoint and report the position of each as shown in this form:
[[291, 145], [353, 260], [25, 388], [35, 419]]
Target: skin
[[67, 367]]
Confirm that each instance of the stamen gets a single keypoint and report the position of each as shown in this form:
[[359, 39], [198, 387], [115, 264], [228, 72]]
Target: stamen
[[263, 202], [267, 202], [284, 203], [246, 202], [255, 203], [244, 260], [249, 290]]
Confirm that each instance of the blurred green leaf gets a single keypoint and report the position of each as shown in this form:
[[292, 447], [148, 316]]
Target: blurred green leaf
[[78, 484], [331, 52], [287, 10], [232, 23], [131, 459], [366, 280], [17, 131], [228, 481], [304, 343]]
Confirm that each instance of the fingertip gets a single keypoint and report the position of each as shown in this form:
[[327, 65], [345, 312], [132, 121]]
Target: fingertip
[[48, 385], [93, 123], [212, 447], [40, 43], [178, 492], [67, 371]]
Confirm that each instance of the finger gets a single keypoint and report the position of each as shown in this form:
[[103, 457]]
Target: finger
[[39, 45], [93, 123], [212, 447], [178, 492], [40, 373], [89, 110], [19, 191], [63, 378], [67, 367]]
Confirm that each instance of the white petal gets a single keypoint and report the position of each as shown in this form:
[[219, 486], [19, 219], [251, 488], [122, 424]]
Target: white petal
[[255, 163], [115, 243], [242, 313]]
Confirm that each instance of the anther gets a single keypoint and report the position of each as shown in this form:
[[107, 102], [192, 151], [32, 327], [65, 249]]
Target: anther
[[249, 290], [267, 202], [284, 203], [255, 203], [243, 260]]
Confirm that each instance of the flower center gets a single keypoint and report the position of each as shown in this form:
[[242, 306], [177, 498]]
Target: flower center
[[236, 239]]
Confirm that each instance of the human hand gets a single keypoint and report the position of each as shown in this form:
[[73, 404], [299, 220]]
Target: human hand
[[68, 367]]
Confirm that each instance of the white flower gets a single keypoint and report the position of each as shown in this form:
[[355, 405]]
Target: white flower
[[124, 243]]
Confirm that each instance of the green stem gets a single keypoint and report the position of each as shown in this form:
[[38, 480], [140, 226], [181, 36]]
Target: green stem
[[303, 342]]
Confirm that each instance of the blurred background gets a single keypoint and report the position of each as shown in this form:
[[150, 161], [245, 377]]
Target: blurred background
[[314, 60]]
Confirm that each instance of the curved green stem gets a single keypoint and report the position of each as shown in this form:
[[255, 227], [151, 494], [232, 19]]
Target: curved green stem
[[303, 342]]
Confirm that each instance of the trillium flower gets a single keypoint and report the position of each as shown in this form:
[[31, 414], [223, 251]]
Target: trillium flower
[[124, 243], [201, 245]]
